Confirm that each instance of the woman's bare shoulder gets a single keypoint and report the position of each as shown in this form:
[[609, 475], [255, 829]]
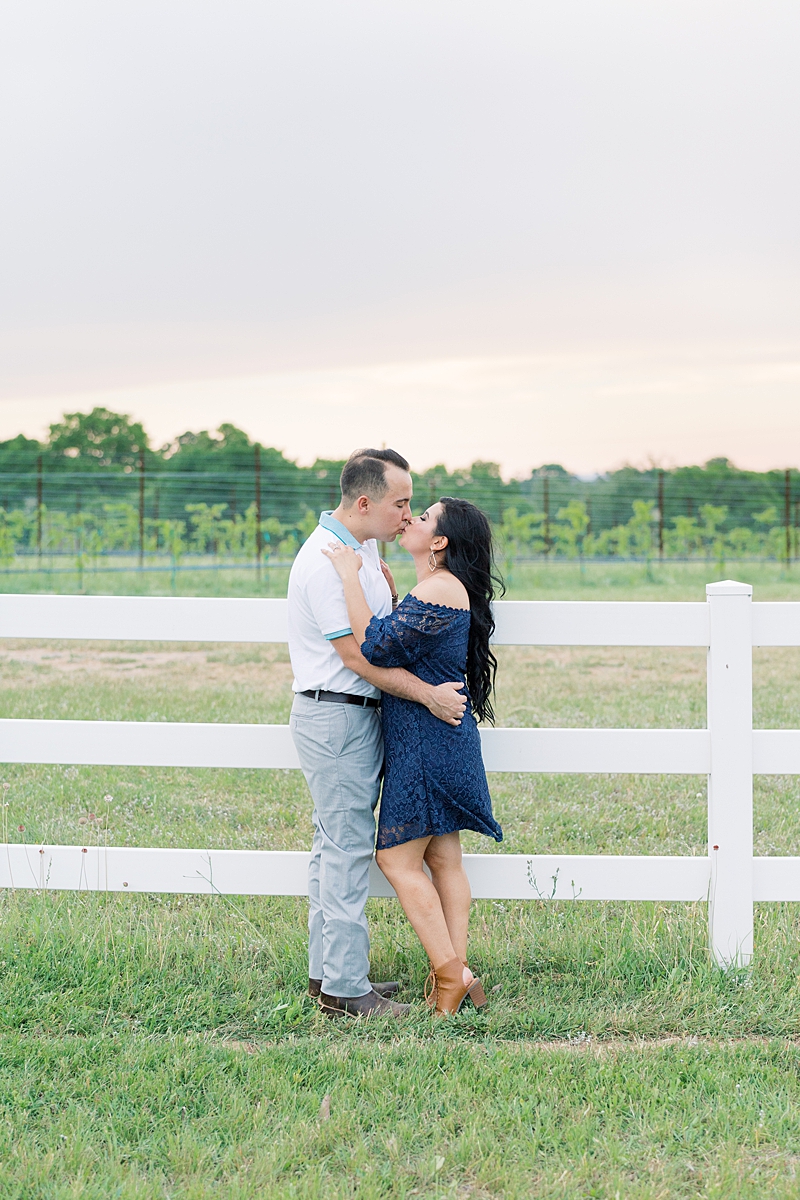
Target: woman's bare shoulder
[[442, 589]]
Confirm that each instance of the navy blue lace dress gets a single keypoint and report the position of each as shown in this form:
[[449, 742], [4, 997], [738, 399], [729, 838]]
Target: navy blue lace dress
[[434, 779]]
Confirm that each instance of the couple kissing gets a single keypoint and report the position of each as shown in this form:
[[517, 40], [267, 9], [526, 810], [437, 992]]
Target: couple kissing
[[389, 693]]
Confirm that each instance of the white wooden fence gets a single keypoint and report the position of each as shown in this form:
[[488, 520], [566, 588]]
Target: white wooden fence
[[728, 751]]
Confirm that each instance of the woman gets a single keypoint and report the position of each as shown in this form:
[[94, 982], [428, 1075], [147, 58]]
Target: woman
[[435, 783]]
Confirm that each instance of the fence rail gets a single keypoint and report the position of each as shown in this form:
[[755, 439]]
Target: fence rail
[[729, 751]]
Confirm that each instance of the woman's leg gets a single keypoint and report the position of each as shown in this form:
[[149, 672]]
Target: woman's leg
[[402, 866], [443, 856]]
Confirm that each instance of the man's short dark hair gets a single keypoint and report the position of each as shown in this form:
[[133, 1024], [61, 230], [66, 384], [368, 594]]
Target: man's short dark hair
[[364, 473]]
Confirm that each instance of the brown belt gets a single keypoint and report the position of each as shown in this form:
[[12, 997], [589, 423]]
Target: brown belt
[[342, 698]]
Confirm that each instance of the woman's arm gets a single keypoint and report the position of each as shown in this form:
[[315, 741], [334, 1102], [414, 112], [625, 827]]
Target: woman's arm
[[446, 701], [347, 565]]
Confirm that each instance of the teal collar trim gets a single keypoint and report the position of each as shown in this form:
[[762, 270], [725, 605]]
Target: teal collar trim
[[329, 522]]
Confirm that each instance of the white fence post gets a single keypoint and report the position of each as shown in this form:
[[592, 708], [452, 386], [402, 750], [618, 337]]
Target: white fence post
[[730, 783]]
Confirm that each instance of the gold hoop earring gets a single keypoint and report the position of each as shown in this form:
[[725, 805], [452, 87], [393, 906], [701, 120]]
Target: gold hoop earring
[[432, 561]]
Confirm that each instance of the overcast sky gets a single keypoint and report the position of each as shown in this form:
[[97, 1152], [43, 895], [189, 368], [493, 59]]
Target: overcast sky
[[525, 231]]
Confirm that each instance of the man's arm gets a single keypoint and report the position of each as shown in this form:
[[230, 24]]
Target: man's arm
[[446, 701]]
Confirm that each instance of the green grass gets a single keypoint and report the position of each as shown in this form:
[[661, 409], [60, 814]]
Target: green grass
[[162, 1047], [635, 581], [155, 1046], [556, 580], [435, 1119], [122, 577]]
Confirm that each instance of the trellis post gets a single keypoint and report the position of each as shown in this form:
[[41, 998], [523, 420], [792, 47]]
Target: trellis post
[[730, 782]]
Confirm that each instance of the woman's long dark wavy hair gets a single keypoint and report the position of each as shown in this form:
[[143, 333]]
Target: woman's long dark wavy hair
[[468, 556]]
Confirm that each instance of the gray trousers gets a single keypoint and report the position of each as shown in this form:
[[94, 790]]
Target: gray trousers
[[340, 747]]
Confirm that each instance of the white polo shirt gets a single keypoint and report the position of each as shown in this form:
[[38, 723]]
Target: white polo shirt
[[318, 613]]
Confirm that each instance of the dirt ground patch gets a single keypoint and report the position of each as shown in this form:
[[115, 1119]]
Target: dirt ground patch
[[25, 663]]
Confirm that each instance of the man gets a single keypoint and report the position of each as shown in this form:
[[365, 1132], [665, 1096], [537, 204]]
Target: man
[[336, 725]]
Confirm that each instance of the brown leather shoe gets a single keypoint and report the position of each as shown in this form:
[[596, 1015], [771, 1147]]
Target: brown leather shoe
[[371, 1005], [383, 989]]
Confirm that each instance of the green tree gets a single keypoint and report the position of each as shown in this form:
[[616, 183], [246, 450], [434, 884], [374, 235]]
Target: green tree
[[771, 536], [57, 531], [743, 541], [570, 535], [249, 532], [91, 534], [120, 527], [307, 524], [273, 535], [228, 446], [19, 454], [684, 538], [21, 524], [641, 529], [712, 516], [173, 537], [602, 544], [231, 536], [205, 523], [100, 438], [518, 533], [8, 545], [767, 518]]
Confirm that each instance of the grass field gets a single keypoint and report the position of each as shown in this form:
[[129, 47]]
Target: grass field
[[162, 1046], [556, 580]]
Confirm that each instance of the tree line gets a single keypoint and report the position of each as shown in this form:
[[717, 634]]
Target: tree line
[[96, 485]]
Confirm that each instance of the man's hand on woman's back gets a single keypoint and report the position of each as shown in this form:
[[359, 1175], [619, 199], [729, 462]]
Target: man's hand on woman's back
[[448, 702]]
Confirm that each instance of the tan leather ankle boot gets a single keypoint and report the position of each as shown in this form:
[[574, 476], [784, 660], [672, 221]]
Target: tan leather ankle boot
[[451, 991], [429, 987]]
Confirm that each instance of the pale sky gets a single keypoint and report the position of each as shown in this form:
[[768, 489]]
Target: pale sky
[[526, 232]]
